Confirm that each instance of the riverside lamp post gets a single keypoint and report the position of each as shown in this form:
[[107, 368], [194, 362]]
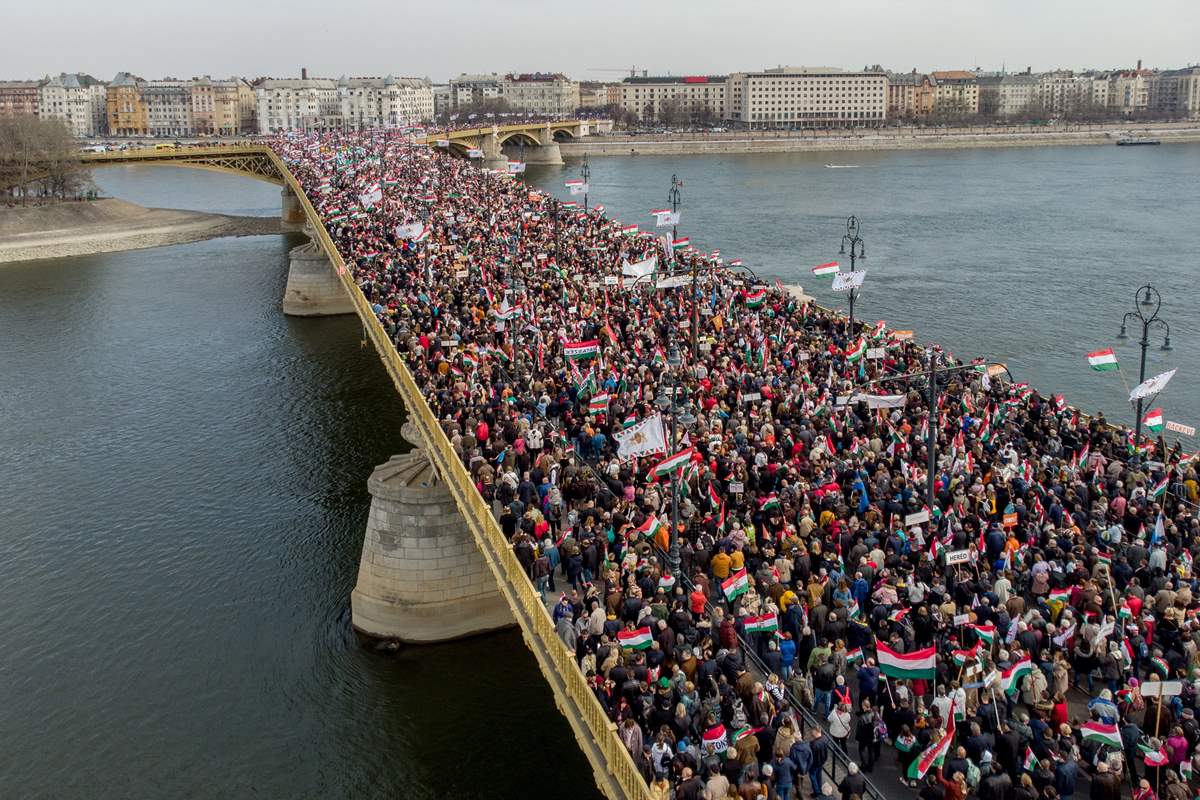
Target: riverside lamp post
[[1150, 299], [857, 250], [585, 172], [680, 415]]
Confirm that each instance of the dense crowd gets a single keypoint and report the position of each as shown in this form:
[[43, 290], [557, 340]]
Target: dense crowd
[[938, 635]]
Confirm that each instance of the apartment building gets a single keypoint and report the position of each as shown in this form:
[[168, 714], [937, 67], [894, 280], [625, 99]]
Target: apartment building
[[127, 113], [550, 93], [1176, 92], [910, 95], [646, 97], [1008, 95], [384, 102], [466, 90], [289, 104], [957, 92], [19, 97], [168, 107], [807, 97], [78, 100]]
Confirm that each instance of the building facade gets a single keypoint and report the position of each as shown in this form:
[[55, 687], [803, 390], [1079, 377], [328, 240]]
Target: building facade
[[797, 97], [957, 92], [647, 97], [19, 97], [293, 104], [1176, 92], [467, 90], [548, 93], [78, 100], [910, 95], [1008, 95], [168, 108], [384, 102], [127, 114]]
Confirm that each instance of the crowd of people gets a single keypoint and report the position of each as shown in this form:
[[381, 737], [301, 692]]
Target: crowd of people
[[937, 640]]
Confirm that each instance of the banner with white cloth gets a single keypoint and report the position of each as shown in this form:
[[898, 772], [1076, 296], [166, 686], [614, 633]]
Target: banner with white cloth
[[642, 439], [845, 281]]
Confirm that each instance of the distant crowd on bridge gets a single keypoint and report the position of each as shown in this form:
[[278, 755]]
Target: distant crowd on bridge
[[1029, 632]]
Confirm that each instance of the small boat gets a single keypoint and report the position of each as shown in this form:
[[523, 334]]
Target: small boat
[[841, 166], [1134, 141]]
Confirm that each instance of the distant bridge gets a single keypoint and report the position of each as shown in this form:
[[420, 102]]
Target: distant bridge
[[433, 484], [541, 138]]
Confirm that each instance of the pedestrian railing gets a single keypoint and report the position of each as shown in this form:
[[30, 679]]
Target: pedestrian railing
[[616, 774]]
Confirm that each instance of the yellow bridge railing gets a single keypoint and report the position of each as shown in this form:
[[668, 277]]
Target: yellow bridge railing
[[612, 764]]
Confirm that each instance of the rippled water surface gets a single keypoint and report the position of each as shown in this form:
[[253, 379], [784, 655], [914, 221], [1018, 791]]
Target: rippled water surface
[[182, 504]]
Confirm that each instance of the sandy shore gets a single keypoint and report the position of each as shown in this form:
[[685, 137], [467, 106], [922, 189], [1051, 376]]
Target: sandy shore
[[105, 226]]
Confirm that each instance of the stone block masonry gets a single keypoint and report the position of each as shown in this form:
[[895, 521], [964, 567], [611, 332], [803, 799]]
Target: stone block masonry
[[421, 578], [313, 290]]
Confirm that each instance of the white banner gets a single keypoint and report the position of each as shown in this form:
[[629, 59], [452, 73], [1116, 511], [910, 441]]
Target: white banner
[[410, 231], [515, 167], [1179, 427], [1152, 386], [579, 188], [845, 281], [674, 282], [473, 153], [371, 197], [885, 400], [644, 438], [667, 218], [641, 268]]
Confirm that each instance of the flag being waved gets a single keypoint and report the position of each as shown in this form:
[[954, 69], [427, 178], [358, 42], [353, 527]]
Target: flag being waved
[[1103, 360], [917, 664], [1152, 386], [826, 269]]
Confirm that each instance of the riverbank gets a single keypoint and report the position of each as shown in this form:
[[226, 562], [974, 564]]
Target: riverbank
[[111, 225], [884, 139]]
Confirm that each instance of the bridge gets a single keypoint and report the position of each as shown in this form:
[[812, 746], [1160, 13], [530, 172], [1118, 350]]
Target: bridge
[[534, 143], [435, 564]]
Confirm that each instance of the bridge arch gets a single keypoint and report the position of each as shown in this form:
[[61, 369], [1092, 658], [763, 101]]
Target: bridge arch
[[564, 135], [519, 137], [247, 161]]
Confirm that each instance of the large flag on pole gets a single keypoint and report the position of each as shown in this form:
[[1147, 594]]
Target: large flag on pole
[[1152, 386], [642, 439], [918, 664], [1103, 360], [935, 754]]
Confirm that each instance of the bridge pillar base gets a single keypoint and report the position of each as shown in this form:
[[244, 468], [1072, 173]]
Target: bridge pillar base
[[500, 164], [291, 213], [312, 288], [546, 154], [421, 578]]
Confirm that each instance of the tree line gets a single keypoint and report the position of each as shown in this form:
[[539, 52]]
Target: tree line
[[39, 158]]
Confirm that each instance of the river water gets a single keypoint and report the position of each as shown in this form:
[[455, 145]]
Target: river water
[[183, 482], [182, 506], [1028, 256]]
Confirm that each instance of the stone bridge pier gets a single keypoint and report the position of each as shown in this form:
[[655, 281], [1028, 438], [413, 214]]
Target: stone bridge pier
[[291, 212], [313, 290], [421, 578]]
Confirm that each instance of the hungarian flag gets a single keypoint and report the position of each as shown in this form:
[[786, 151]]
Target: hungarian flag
[[1011, 677], [1101, 732], [578, 351], [769, 502], [854, 656], [650, 527], [1103, 360], [1153, 419], [1061, 595], [1030, 763], [1060, 401], [961, 657], [855, 353], [755, 299], [679, 244], [935, 754], [671, 463], [635, 640], [1160, 488], [765, 623], [736, 584], [629, 230], [713, 498], [918, 664], [1160, 666], [737, 262], [598, 404], [985, 632], [666, 582], [826, 269]]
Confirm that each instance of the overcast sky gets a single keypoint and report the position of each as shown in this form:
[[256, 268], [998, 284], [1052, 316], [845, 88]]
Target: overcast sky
[[586, 40]]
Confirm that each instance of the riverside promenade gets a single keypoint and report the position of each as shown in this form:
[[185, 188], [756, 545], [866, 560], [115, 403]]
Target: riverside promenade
[[806, 538], [901, 138]]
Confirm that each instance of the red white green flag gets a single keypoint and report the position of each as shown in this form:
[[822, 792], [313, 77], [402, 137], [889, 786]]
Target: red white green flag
[[639, 639], [1153, 419], [918, 664], [765, 623], [1103, 360], [985, 632], [578, 351], [736, 584], [1011, 677], [935, 754], [714, 740], [650, 527], [1101, 732], [826, 269], [671, 463], [756, 299]]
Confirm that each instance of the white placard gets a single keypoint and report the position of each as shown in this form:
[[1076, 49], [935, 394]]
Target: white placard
[[875, 353], [1178, 427], [448, 343], [705, 347], [958, 557], [962, 619], [610, 280], [751, 397], [573, 310], [1163, 688], [736, 487], [916, 519], [462, 273]]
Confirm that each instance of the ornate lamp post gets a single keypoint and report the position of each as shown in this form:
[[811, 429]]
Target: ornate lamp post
[[585, 172], [681, 414], [1145, 311], [858, 250]]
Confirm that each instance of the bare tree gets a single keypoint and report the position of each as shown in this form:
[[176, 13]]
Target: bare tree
[[40, 157]]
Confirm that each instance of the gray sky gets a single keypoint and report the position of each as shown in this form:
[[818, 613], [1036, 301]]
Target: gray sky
[[440, 39]]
